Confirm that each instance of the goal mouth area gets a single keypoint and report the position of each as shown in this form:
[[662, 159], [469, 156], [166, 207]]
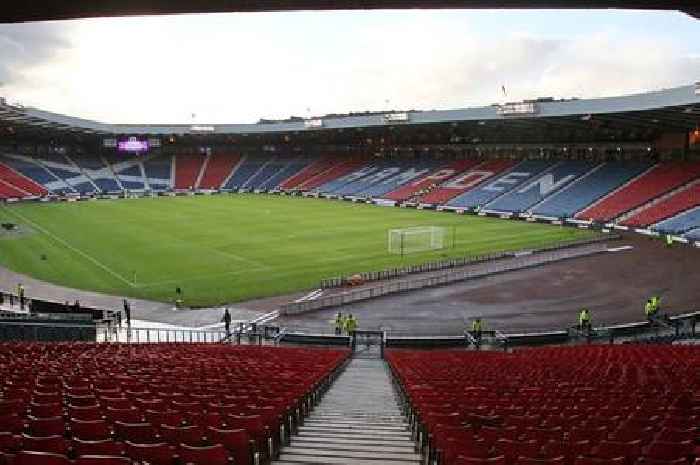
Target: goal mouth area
[[416, 239]]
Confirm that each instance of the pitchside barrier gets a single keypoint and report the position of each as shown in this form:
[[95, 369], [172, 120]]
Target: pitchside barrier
[[486, 268], [678, 327], [438, 265]]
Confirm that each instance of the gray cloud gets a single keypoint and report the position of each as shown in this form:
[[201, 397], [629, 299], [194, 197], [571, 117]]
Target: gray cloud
[[25, 45]]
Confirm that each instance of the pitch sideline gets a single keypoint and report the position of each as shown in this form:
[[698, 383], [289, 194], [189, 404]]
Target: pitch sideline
[[90, 258]]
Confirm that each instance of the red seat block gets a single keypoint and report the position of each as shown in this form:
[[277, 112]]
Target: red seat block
[[154, 454], [102, 460], [40, 458], [104, 447], [207, 455]]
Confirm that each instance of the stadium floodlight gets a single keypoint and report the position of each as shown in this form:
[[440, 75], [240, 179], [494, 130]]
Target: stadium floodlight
[[416, 239]]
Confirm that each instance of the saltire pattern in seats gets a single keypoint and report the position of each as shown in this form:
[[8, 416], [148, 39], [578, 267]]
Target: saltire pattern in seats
[[655, 182], [590, 187]]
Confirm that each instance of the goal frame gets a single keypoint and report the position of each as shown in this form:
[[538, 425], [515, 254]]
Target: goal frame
[[401, 241]]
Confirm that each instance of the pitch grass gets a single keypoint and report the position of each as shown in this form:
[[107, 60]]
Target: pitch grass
[[230, 248]]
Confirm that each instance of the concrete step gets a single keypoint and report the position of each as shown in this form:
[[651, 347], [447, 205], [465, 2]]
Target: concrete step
[[358, 422], [311, 421], [369, 459], [343, 447], [369, 426]]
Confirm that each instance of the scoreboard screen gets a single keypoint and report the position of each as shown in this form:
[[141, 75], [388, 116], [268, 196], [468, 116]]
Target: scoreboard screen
[[131, 144]]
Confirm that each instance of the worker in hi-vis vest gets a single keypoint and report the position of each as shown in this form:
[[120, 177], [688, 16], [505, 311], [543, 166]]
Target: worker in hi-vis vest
[[584, 321], [350, 324]]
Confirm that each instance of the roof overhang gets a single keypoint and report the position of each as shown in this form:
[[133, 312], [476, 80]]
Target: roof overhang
[[41, 10]]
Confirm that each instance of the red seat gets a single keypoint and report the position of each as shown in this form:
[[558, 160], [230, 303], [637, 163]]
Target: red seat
[[154, 454], [11, 423], [176, 435], [104, 447], [647, 461], [500, 460], [141, 433], [123, 415], [44, 427], [47, 410], [612, 449], [237, 441], [102, 460], [96, 430], [669, 450], [12, 406], [677, 435], [40, 458], [6, 458], [52, 444], [206, 455], [168, 417], [9, 442], [87, 400], [561, 460], [86, 413], [594, 461]]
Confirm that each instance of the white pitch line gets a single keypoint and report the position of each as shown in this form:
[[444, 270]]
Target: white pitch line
[[70, 247], [620, 249]]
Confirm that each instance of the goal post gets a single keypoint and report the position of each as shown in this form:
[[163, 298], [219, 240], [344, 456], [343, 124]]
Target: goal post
[[416, 239]]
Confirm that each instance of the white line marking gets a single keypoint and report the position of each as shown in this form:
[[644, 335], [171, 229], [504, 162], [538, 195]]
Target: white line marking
[[620, 249], [313, 295], [70, 247]]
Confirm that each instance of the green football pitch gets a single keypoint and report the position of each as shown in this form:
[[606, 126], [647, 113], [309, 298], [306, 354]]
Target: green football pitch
[[229, 248]]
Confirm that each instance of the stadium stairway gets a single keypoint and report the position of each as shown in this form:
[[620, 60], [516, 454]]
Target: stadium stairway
[[358, 422]]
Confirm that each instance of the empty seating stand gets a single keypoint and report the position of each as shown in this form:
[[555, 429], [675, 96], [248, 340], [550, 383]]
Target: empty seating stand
[[465, 182], [207, 403], [187, 167], [588, 189], [339, 169], [680, 224], [310, 171], [218, 170], [654, 183], [680, 201], [625, 404], [430, 181], [535, 190], [496, 186], [16, 182]]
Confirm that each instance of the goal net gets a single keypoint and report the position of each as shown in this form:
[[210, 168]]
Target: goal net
[[417, 239]]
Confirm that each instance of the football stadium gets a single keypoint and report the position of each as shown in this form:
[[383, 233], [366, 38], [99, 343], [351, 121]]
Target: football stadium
[[513, 283]]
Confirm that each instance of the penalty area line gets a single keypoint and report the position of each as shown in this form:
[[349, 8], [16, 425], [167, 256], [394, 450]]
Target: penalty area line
[[91, 259]]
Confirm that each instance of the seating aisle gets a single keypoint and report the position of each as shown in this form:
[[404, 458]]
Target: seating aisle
[[164, 404], [358, 422]]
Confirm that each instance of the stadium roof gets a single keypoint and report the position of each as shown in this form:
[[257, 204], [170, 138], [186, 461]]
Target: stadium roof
[[676, 109], [39, 10]]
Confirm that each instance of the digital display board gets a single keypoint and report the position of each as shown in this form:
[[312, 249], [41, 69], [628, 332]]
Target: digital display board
[[132, 144]]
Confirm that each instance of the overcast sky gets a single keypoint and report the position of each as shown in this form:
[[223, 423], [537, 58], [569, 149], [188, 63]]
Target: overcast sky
[[232, 68]]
